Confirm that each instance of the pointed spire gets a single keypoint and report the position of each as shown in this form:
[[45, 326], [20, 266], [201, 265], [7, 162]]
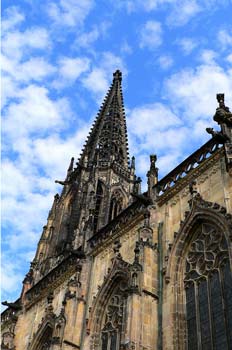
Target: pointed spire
[[107, 141], [70, 168]]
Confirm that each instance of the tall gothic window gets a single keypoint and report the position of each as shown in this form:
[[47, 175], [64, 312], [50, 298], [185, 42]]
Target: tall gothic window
[[116, 204], [113, 322], [99, 196], [208, 287], [45, 340]]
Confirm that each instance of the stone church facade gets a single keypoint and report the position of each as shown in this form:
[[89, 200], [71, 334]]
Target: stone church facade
[[119, 269]]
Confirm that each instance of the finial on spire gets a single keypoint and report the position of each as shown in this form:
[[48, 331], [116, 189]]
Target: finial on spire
[[117, 75]]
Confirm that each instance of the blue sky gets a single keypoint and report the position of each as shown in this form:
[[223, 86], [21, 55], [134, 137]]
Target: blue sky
[[58, 57]]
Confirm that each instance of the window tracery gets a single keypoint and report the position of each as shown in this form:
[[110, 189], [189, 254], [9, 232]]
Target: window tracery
[[113, 321], [116, 204], [208, 286]]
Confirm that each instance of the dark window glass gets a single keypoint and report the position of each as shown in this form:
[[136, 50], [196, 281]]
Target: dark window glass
[[219, 329], [204, 316], [191, 317], [113, 345], [227, 288], [104, 341]]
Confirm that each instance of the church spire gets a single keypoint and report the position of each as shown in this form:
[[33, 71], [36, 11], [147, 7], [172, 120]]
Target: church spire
[[107, 141], [97, 190]]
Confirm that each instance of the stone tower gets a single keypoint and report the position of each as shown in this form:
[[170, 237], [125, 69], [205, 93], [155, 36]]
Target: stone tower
[[95, 191], [119, 270]]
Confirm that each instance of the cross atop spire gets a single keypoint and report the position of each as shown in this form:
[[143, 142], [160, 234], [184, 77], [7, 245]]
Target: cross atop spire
[[107, 141]]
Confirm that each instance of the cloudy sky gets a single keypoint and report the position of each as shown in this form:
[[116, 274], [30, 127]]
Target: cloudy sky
[[58, 57]]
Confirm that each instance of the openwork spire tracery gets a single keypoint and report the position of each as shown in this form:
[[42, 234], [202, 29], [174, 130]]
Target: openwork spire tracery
[[107, 140]]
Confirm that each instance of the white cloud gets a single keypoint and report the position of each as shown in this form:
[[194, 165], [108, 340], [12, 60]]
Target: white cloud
[[225, 38], [155, 129], [208, 57], [126, 48], [11, 18], [61, 148], [187, 45], [110, 62], [96, 81], [70, 69], [143, 120], [183, 11], [34, 69], [14, 181], [34, 112], [69, 12], [99, 78], [165, 61], [16, 43], [137, 5], [11, 278], [9, 91], [229, 58], [191, 90], [87, 39], [151, 35]]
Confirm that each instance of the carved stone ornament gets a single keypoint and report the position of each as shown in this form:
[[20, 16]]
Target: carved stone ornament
[[145, 231], [50, 331], [7, 341], [105, 324]]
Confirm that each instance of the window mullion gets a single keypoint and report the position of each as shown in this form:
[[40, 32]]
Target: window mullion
[[210, 313], [223, 305], [196, 286]]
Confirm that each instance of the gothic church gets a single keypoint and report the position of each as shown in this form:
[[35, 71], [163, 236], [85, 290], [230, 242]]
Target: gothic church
[[117, 269]]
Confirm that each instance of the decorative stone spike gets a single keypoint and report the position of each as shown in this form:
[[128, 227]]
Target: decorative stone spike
[[152, 175]]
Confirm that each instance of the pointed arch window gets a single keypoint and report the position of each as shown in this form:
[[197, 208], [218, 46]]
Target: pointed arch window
[[208, 291], [99, 196], [46, 341], [116, 205], [112, 329], [43, 340]]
